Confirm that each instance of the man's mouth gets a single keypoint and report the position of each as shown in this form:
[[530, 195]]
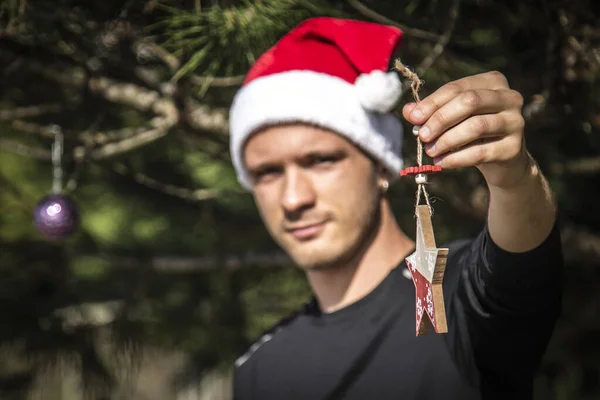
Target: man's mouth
[[308, 231]]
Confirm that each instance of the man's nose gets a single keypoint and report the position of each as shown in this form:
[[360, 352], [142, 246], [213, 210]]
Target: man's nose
[[298, 192]]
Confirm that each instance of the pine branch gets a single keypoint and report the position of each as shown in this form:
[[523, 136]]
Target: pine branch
[[108, 150], [88, 314], [579, 242], [537, 105], [128, 94], [217, 81], [174, 64], [588, 165], [169, 59], [132, 95], [183, 264], [200, 117], [373, 15], [19, 148], [204, 118], [123, 146], [228, 262], [46, 54], [104, 137], [439, 47], [46, 131], [225, 42], [29, 111], [167, 188]]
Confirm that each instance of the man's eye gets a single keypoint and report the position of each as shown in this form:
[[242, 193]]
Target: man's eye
[[265, 174], [323, 160]]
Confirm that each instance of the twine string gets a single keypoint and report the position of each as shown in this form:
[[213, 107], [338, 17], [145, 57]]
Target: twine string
[[415, 86]]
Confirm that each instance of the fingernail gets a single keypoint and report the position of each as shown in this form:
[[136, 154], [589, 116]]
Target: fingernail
[[430, 148], [416, 114], [437, 161], [424, 132], [410, 105]]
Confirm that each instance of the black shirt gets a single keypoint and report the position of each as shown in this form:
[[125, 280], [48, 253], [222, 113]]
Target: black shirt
[[501, 309]]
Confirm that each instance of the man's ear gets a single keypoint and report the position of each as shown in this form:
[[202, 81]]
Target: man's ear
[[383, 173]]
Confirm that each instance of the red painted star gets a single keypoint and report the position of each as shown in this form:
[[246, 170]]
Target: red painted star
[[427, 265]]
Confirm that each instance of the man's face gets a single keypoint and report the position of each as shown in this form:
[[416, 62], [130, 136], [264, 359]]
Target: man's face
[[316, 192]]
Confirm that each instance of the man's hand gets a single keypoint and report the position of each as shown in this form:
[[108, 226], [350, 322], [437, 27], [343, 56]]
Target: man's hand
[[475, 121]]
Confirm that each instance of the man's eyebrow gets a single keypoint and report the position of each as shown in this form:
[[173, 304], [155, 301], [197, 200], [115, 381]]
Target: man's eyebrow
[[328, 152], [316, 152], [262, 165]]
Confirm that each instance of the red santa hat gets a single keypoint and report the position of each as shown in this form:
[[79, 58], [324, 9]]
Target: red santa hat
[[331, 73]]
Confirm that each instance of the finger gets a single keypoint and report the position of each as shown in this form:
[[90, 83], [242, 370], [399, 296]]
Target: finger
[[458, 109], [490, 81], [466, 104], [474, 128], [481, 152], [494, 80], [408, 107]]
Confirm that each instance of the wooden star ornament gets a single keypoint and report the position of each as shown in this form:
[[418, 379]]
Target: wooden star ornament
[[427, 265]]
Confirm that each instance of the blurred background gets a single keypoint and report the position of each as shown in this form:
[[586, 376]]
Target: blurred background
[[170, 273]]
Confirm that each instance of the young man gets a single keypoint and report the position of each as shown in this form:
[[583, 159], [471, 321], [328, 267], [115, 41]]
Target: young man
[[314, 139]]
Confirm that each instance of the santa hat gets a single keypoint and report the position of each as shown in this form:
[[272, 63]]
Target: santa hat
[[331, 73]]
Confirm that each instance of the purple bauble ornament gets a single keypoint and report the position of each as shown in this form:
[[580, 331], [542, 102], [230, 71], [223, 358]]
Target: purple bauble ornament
[[56, 216]]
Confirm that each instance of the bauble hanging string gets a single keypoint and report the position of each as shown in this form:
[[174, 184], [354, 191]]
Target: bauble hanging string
[[56, 216]]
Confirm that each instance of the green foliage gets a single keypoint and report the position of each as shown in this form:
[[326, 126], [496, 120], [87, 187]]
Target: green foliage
[[227, 41]]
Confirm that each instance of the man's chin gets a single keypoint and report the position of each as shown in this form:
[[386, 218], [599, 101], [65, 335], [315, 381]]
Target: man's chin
[[319, 253], [317, 260]]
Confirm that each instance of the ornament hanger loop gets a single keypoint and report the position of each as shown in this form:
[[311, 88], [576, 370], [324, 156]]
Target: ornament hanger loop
[[420, 172], [57, 153]]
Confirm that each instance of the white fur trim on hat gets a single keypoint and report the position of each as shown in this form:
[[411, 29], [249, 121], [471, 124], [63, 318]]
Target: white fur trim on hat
[[324, 100]]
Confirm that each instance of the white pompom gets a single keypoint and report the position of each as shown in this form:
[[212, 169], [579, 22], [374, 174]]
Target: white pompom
[[378, 91]]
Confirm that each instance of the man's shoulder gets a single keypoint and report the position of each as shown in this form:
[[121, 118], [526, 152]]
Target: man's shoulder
[[268, 335]]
